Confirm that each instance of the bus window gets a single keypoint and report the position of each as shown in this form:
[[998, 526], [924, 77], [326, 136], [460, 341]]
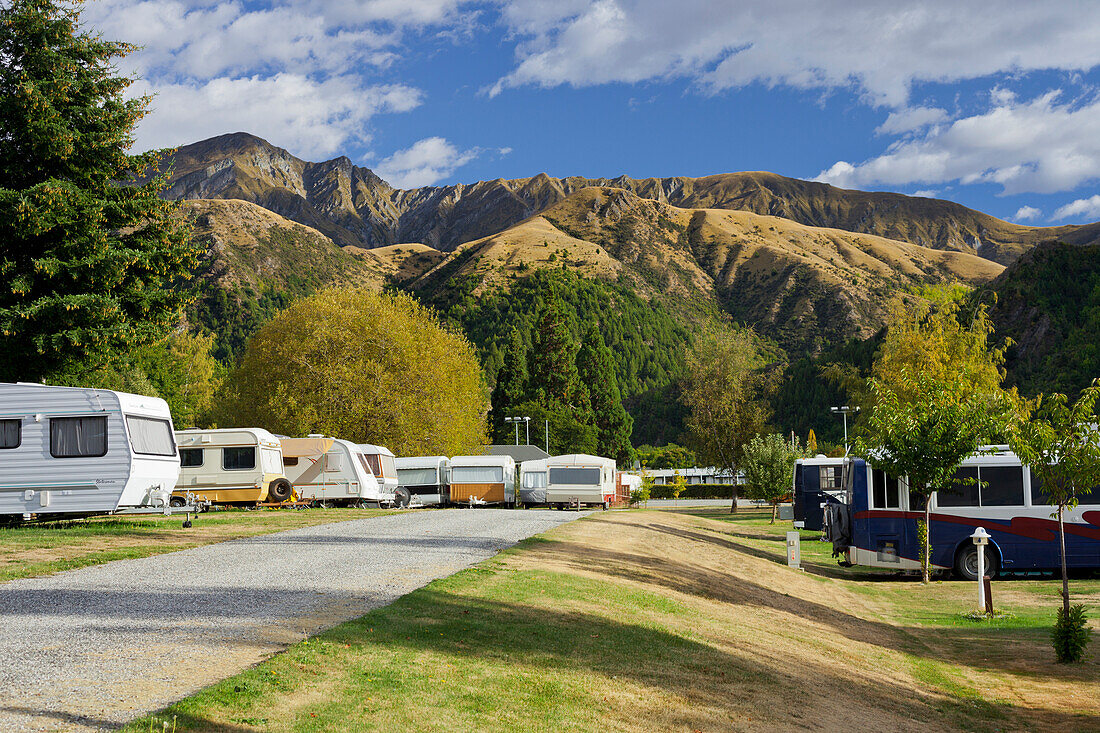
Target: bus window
[[886, 495], [1002, 486], [961, 492], [1038, 496], [831, 478]]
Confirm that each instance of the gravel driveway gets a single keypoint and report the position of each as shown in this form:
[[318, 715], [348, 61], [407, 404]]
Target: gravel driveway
[[93, 648]]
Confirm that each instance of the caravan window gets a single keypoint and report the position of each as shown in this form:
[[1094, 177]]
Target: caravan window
[[239, 459], [575, 476], [78, 437], [534, 480], [417, 476], [831, 478], [389, 466], [1002, 486], [961, 492], [11, 433], [477, 474], [151, 437], [373, 463], [190, 457]]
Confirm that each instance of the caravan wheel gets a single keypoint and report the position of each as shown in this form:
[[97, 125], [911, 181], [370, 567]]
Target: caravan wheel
[[279, 490], [176, 501]]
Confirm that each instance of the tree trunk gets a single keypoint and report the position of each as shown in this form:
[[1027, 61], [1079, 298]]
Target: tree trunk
[[775, 510], [926, 565], [733, 502], [1065, 575]]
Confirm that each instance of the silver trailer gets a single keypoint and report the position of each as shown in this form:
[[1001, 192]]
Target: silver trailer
[[423, 480], [77, 451], [532, 483]]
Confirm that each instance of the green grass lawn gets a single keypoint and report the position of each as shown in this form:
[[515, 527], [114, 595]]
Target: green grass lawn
[[581, 630], [39, 549]]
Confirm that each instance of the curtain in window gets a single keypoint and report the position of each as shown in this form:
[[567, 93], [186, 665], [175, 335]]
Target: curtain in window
[[75, 437], [534, 480], [477, 475], [575, 476], [151, 437], [417, 476], [9, 433]]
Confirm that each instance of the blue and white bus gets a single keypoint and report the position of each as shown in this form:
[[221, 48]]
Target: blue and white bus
[[817, 481], [878, 524]]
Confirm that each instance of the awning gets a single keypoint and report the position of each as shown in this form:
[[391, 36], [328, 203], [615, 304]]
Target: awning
[[306, 447]]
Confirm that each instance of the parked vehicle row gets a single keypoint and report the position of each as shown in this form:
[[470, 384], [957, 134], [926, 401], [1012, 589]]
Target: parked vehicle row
[[70, 451]]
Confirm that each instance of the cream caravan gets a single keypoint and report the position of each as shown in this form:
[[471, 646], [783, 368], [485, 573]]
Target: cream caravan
[[381, 462], [231, 466], [483, 480], [578, 479], [332, 471], [75, 451]]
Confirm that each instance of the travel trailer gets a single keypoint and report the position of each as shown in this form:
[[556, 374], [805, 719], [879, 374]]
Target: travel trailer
[[381, 461], [231, 466], [532, 483], [76, 452], [818, 481], [877, 524], [424, 479], [578, 479], [483, 480], [331, 471]]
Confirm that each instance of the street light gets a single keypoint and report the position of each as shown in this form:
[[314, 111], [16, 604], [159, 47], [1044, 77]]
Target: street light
[[980, 539], [527, 424], [844, 412]]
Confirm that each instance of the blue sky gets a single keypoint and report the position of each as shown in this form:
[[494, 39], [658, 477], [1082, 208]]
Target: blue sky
[[995, 105]]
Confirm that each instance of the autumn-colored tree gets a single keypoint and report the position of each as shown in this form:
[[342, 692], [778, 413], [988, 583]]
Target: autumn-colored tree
[[87, 262], [727, 391], [1059, 441], [811, 443], [365, 366], [679, 484]]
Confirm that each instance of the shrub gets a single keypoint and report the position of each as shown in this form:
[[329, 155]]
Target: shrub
[[1071, 634]]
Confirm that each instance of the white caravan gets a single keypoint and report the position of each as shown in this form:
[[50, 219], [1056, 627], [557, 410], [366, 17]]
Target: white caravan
[[422, 480], [332, 471], [381, 461], [483, 480], [78, 451], [532, 482], [578, 479], [231, 466]]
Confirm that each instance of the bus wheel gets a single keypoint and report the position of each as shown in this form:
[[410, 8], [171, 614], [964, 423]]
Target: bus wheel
[[966, 562], [279, 490]]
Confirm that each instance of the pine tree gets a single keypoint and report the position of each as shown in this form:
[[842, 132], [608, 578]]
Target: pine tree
[[553, 361], [597, 371], [511, 387], [88, 252]]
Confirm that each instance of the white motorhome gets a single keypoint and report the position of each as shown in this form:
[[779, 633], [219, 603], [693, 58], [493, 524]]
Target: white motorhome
[[578, 479], [483, 480], [381, 461], [532, 482], [332, 471], [231, 466], [424, 479], [78, 451]]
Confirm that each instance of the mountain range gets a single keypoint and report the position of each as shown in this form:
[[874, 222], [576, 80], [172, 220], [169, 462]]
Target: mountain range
[[809, 266]]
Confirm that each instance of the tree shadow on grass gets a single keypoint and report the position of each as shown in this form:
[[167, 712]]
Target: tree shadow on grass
[[992, 648]]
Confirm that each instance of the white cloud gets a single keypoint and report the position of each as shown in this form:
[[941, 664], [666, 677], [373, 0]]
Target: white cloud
[[928, 193], [1038, 146], [1027, 213], [312, 119], [424, 163], [879, 49], [911, 119], [1081, 208]]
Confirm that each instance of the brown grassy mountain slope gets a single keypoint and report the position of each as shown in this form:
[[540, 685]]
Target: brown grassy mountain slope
[[353, 206], [803, 286]]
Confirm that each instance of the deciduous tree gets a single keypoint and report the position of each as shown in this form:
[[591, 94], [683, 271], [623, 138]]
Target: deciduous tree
[[364, 366], [768, 464]]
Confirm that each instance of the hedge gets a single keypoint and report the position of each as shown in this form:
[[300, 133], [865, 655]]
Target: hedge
[[696, 491]]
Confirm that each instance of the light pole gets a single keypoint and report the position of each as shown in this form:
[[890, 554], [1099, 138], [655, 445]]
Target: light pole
[[981, 539], [843, 411], [547, 437], [527, 425]]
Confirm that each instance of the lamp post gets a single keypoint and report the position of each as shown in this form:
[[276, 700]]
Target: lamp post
[[981, 539], [843, 411], [516, 421]]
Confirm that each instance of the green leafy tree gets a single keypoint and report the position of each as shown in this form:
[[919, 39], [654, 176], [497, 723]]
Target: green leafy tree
[[1059, 441], [727, 392], [597, 370], [679, 484], [364, 366], [87, 263], [923, 431], [666, 456], [644, 492], [768, 464]]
